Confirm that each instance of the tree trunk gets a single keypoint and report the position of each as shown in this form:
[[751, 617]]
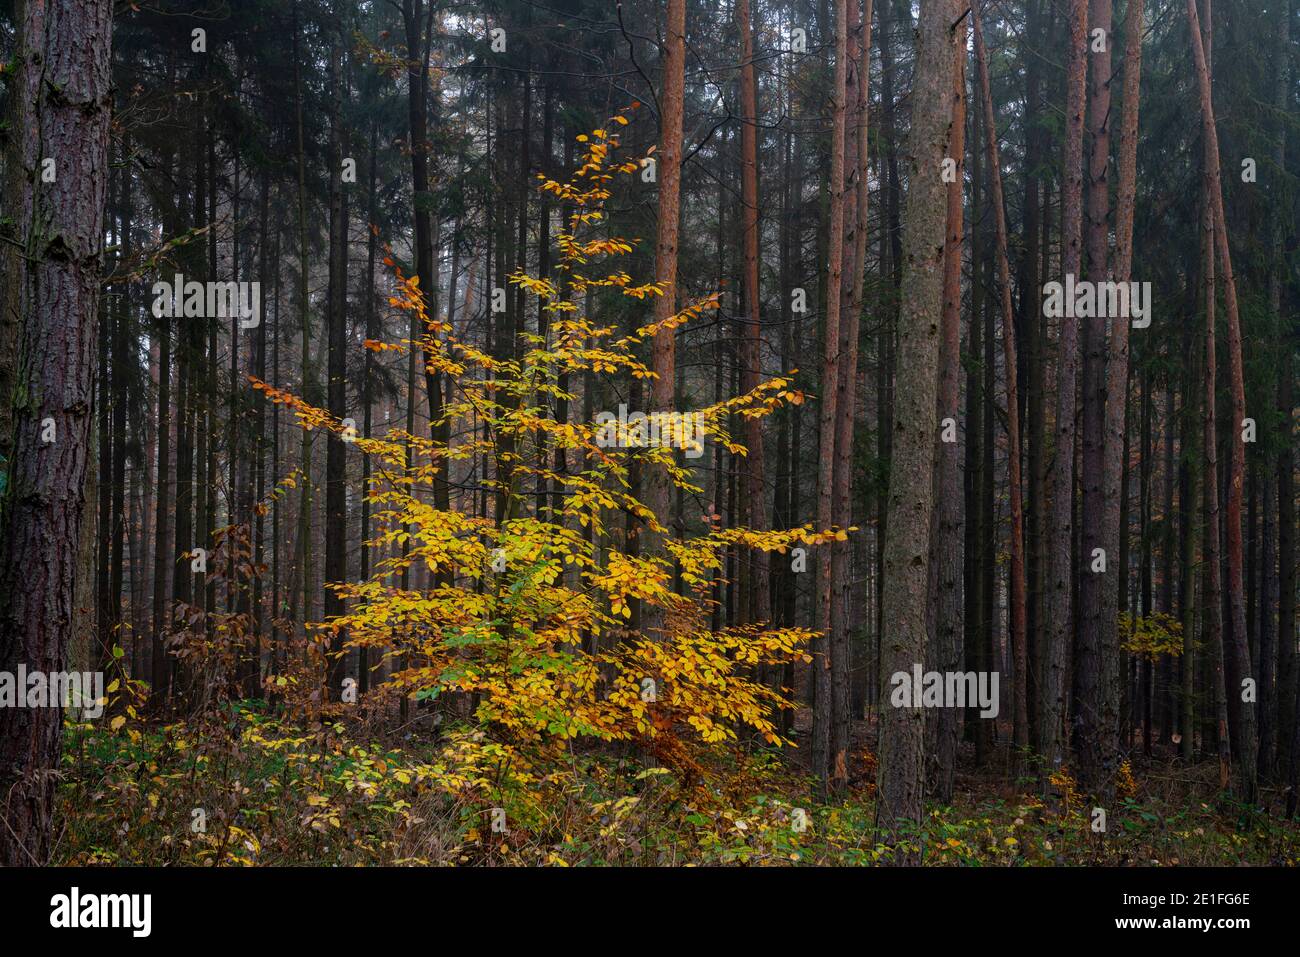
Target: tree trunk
[[1213, 603], [947, 553], [907, 543], [123, 337], [367, 380], [1057, 600], [1237, 654], [298, 589], [832, 776], [751, 363], [1268, 601], [1095, 742], [854, 253], [1114, 535], [1188, 489], [1286, 612], [1016, 586], [1035, 243], [160, 670], [1288, 676], [1286, 553], [336, 524], [664, 346], [62, 74]]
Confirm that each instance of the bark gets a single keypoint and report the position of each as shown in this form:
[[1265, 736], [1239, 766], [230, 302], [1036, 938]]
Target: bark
[[987, 570], [1057, 600], [833, 776], [1213, 603], [336, 525], [1268, 601], [907, 543], [561, 402], [205, 366], [419, 38], [854, 253], [123, 336], [755, 497], [276, 600], [664, 347], [1288, 673], [891, 253], [1035, 245], [160, 670], [1213, 613], [101, 653], [1286, 549], [1237, 654], [979, 545], [946, 655], [62, 72], [786, 499], [1145, 691], [1187, 499], [1016, 585], [257, 489], [1114, 535], [302, 548], [1286, 613], [189, 351], [276, 606], [1095, 742], [367, 380]]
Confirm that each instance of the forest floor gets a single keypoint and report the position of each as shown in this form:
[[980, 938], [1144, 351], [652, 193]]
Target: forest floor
[[242, 786]]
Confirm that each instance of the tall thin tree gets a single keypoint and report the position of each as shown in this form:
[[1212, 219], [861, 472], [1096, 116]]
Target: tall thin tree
[[1016, 585], [1237, 652], [668, 163], [831, 770], [911, 493], [1057, 599]]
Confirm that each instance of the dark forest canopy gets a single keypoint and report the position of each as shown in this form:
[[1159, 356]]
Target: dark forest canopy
[[872, 421]]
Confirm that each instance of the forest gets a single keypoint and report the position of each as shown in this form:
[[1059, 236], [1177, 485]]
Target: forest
[[649, 433]]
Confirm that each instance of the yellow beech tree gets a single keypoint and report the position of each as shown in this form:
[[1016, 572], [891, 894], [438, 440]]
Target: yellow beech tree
[[528, 615]]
